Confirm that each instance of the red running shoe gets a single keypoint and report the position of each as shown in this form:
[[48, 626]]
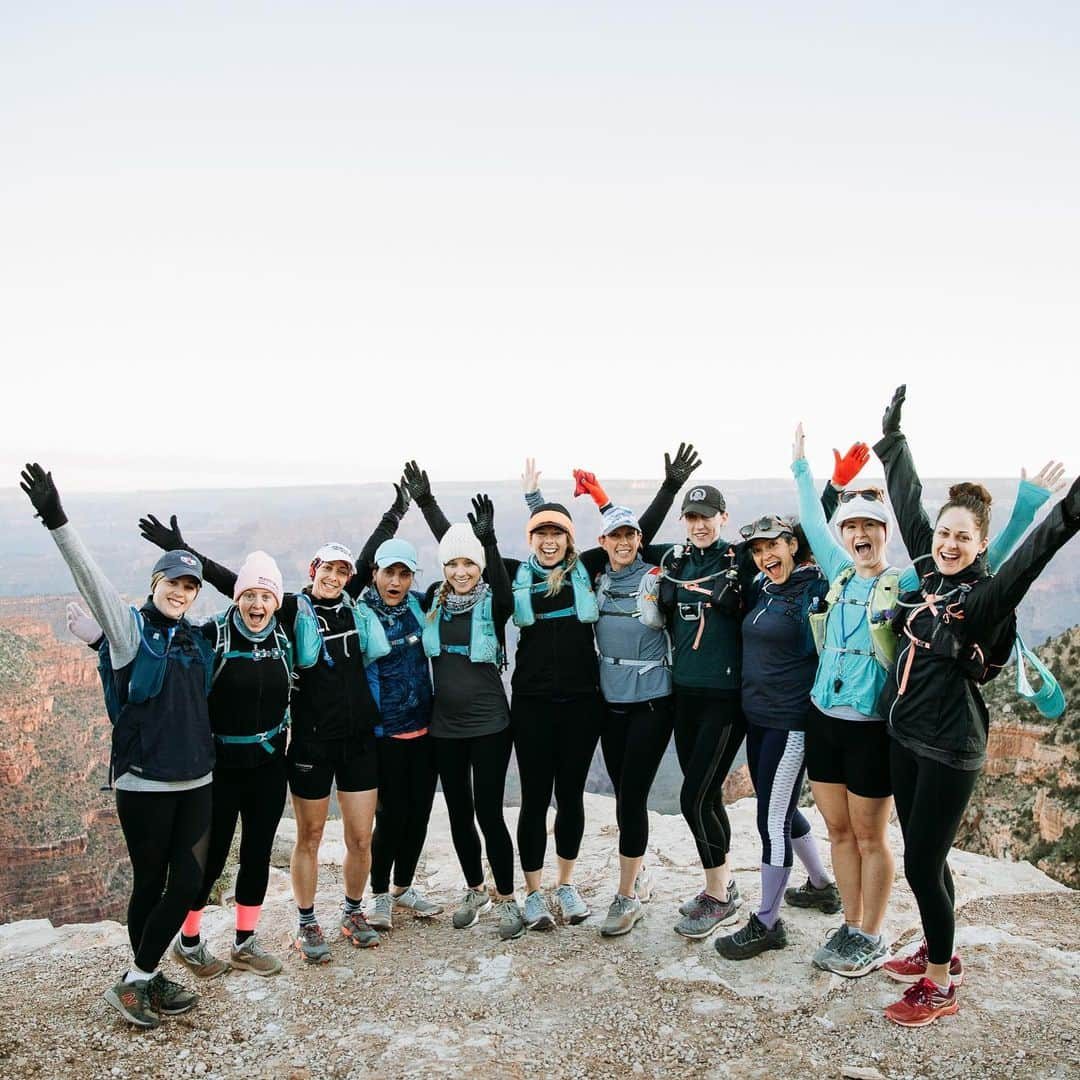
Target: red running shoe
[[909, 969], [922, 1004]]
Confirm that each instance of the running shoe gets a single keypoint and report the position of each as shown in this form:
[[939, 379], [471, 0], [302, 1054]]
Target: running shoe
[[707, 916], [572, 906], [754, 938], [355, 929], [826, 899], [537, 913], [417, 903], [643, 885], [132, 1002], [911, 968], [922, 1004], [380, 911], [857, 956], [831, 949], [251, 956], [473, 904], [168, 998], [311, 944], [687, 907], [511, 924], [622, 916], [199, 960]]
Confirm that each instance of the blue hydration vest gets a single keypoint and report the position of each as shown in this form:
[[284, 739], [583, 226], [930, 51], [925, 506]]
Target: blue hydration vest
[[311, 642], [584, 606], [483, 647]]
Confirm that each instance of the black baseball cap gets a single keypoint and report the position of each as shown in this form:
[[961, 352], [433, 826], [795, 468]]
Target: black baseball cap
[[178, 564], [703, 499]]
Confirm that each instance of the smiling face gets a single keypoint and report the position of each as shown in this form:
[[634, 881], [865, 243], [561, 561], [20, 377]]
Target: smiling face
[[257, 607], [703, 530], [549, 544], [393, 582], [957, 540], [775, 558], [330, 578], [173, 596], [864, 541], [621, 546], [463, 574]]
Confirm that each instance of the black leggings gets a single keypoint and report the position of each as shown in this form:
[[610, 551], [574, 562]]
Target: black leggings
[[473, 776], [777, 761], [167, 834], [407, 776], [633, 740], [554, 742], [930, 801], [257, 798], [708, 732]]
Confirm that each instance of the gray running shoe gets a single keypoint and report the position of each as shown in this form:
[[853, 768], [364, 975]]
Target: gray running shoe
[[571, 904], [537, 913], [643, 885], [355, 929], [132, 1002], [707, 916], [754, 938], [826, 899], [622, 916], [168, 998], [200, 960], [511, 924], [251, 956], [417, 903], [311, 944], [832, 949], [380, 911], [688, 907], [857, 956], [473, 904]]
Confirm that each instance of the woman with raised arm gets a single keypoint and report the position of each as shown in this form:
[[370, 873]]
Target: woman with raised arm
[[162, 751], [957, 630], [334, 716], [556, 708]]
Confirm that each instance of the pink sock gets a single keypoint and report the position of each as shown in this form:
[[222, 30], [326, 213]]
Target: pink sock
[[192, 924], [247, 916]]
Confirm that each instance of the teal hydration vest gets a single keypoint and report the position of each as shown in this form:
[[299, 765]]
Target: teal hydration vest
[[418, 614], [584, 606], [311, 641], [483, 647]]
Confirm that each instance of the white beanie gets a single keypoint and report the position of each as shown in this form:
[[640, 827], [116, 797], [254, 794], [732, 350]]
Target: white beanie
[[259, 572], [459, 542]]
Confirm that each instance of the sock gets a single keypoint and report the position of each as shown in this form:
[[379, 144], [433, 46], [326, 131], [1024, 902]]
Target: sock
[[307, 916], [353, 906], [247, 920], [944, 989], [874, 939], [135, 975], [189, 931], [773, 881], [242, 936], [809, 854]]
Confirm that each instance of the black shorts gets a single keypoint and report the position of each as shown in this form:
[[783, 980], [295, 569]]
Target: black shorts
[[854, 753], [314, 766]]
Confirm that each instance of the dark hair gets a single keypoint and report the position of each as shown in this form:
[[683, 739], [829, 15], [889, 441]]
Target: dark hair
[[805, 554], [975, 499]]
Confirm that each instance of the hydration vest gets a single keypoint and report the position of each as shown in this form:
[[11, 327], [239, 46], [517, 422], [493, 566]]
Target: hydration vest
[[646, 597], [483, 647], [311, 639], [584, 606], [416, 636], [805, 607], [880, 610]]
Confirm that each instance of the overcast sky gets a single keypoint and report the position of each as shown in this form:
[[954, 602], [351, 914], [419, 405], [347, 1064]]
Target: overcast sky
[[269, 243]]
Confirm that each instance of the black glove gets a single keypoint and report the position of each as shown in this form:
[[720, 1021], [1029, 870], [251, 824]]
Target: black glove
[[726, 595], [482, 520], [890, 422], [401, 500], [677, 472], [168, 539], [1070, 505], [416, 480], [38, 485]]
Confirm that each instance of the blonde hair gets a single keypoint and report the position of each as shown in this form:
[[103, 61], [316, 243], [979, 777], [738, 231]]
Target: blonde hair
[[155, 578], [438, 601], [557, 574]]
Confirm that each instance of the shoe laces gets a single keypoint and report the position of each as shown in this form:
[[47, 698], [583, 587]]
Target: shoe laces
[[312, 933], [508, 909], [753, 930], [924, 992]]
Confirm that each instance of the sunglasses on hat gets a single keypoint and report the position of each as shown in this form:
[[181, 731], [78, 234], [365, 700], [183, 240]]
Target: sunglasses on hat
[[874, 494], [766, 524]]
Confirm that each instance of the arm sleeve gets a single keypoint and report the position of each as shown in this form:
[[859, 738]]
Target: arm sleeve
[[830, 500], [105, 603], [1029, 497], [905, 494], [534, 500], [593, 560], [831, 557], [385, 530], [653, 517], [502, 596], [436, 520]]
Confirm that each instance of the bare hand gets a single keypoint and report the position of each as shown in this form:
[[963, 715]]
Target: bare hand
[[1051, 477], [798, 447], [530, 478]]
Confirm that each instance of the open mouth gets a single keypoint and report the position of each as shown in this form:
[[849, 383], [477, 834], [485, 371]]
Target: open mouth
[[864, 549]]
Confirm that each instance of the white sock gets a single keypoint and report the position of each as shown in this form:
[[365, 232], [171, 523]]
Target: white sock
[[944, 989], [135, 975]]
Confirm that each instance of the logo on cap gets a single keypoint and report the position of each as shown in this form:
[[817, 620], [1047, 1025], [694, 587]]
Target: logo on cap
[[187, 560], [697, 495]]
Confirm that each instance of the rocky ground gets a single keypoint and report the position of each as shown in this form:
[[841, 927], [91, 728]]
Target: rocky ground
[[433, 1001]]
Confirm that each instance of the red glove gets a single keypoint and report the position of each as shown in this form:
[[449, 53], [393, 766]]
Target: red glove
[[587, 484], [850, 465]]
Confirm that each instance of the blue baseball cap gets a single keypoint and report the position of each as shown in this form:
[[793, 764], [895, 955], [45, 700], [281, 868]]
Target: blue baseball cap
[[396, 551], [178, 564], [619, 517]]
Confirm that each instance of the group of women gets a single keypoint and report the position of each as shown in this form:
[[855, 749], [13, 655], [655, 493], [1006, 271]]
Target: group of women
[[828, 662]]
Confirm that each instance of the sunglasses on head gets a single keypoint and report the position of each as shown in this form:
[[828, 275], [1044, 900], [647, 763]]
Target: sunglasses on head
[[874, 494], [765, 524]]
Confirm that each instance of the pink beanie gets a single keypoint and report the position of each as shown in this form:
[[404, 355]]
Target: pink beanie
[[259, 572]]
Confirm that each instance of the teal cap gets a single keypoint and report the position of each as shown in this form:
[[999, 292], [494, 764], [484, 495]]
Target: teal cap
[[396, 551]]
